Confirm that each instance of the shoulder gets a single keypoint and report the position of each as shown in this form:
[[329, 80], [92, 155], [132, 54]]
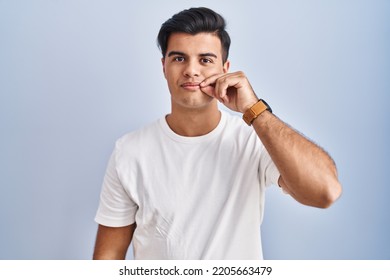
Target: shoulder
[[139, 138]]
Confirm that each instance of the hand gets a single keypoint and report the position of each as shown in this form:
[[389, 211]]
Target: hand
[[231, 89]]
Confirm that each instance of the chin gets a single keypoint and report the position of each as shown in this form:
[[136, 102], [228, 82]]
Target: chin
[[196, 103]]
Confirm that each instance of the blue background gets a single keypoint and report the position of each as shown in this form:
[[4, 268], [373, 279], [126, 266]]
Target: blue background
[[76, 75]]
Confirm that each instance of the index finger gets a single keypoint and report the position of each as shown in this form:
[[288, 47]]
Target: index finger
[[211, 80]]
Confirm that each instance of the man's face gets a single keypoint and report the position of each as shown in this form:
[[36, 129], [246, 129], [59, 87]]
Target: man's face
[[188, 61]]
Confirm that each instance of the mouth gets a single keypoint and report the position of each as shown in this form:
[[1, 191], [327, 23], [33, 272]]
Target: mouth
[[191, 86]]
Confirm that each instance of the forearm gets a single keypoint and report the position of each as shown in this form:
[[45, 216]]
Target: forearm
[[307, 171]]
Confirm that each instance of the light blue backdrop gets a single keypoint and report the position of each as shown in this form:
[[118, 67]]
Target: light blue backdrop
[[76, 75]]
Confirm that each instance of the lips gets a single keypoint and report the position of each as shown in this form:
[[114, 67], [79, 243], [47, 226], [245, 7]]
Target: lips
[[191, 85]]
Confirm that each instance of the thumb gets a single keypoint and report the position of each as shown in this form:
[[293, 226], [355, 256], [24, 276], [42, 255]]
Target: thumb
[[209, 90]]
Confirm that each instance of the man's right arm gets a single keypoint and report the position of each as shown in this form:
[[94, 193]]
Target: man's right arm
[[112, 242]]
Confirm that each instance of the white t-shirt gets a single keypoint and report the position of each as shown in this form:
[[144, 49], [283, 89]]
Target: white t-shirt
[[191, 197]]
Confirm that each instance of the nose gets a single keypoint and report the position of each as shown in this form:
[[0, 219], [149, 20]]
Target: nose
[[191, 69]]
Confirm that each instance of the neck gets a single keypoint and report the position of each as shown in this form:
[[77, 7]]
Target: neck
[[194, 122]]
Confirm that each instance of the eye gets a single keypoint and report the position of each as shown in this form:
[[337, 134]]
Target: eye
[[206, 60], [178, 58]]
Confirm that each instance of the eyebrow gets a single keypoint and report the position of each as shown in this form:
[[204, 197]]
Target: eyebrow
[[176, 53], [183, 54], [208, 54]]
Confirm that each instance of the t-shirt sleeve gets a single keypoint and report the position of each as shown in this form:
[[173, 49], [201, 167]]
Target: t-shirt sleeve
[[269, 174], [116, 208]]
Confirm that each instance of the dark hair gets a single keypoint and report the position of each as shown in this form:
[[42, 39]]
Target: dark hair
[[194, 21]]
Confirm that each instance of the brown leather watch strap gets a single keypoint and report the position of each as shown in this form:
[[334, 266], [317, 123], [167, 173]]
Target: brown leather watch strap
[[253, 112]]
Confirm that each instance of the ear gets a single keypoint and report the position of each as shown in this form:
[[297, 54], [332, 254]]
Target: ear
[[163, 65], [226, 66]]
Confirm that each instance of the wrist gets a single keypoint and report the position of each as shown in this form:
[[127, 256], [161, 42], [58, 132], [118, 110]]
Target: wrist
[[249, 105], [256, 110]]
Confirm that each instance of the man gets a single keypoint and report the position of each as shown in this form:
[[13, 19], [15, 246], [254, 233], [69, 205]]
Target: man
[[191, 185]]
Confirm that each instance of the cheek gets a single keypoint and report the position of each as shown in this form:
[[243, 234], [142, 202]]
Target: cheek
[[171, 73], [172, 79], [216, 69]]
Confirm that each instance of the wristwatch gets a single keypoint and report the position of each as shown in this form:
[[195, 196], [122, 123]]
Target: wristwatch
[[253, 112]]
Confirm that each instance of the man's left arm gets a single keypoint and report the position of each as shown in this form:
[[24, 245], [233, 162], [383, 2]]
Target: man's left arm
[[307, 172]]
